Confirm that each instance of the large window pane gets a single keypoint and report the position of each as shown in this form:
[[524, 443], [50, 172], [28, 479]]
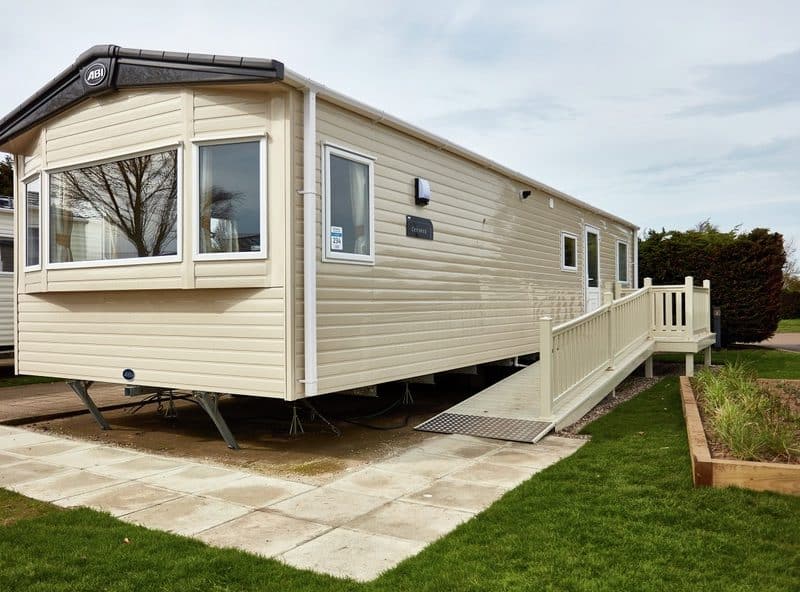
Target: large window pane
[[230, 204], [349, 230], [118, 210], [32, 197]]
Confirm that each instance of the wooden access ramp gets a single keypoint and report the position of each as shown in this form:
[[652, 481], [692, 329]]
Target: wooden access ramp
[[584, 360]]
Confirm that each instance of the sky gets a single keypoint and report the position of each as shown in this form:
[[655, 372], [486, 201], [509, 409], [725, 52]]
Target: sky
[[664, 113]]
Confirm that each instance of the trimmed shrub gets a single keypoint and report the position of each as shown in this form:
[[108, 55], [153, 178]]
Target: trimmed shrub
[[790, 305], [746, 273]]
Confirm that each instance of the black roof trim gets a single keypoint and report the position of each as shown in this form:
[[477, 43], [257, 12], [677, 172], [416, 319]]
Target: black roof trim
[[107, 68]]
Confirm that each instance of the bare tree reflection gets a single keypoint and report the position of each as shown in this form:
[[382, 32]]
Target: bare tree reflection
[[137, 195]]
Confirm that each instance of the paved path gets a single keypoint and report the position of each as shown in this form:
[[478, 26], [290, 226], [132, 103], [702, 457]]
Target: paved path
[[356, 526], [785, 341], [35, 402]]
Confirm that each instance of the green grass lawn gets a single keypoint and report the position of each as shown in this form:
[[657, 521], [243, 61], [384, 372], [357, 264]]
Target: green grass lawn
[[769, 363], [789, 326], [620, 514]]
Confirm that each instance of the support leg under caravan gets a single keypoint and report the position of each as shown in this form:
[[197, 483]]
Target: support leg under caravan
[[206, 401]]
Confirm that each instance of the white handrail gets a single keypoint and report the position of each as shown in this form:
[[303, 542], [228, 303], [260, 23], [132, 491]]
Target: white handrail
[[575, 351]]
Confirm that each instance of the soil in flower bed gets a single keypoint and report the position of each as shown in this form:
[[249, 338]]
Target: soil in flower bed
[[784, 408]]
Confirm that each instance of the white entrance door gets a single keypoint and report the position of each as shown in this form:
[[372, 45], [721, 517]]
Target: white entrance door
[[592, 267]]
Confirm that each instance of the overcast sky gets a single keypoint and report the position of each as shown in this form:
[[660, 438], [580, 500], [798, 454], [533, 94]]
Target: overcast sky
[[665, 113]]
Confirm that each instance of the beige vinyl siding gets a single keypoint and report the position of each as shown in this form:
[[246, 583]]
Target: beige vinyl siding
[[473, 294], [31, 163], [224, 340], [237, 114], [117, 125]]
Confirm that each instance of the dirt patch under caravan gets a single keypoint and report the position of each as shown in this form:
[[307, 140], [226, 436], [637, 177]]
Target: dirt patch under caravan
[[371, 428]]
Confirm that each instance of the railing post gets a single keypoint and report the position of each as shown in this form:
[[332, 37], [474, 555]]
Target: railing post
[[707, 286], [608, 299], [688, 317], [546, 366], [651, 303], [617, 290]]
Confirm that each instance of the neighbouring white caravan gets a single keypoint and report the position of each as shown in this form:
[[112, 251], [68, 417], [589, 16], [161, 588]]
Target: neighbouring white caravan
[[224, 225], [6, 276]]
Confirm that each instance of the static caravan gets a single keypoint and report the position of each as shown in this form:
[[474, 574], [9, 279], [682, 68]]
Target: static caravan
[[6, 277], [221, 224]]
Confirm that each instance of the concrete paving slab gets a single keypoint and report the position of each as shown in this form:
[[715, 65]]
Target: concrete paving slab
[[535, 458], [28, 470], [121, 499], [494, 474], [379, 481], [349, 554], [449, 446], [416, 462], [410, 521], [194, 478], [142, 465], [56, 487], [92, 457], [263, 533], [22, 438], [256, 491], [327, 505], [458, 495], [52, 447], [186, 515]]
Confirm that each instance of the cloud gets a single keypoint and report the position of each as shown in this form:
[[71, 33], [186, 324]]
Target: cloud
[[779, 155], [749, 87], [515, 113]]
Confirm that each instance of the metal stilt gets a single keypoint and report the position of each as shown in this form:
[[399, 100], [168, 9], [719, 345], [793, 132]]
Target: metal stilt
[[408, 399], [295, 427], [208, 402], [315, 413], [81, 388]]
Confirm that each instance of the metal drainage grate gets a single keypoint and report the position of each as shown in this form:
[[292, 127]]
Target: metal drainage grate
[[500, 428]]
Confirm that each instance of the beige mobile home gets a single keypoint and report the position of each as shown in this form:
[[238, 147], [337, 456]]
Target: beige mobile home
[[223, 225]]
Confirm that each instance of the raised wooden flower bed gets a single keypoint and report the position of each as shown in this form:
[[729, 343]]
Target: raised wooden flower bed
[[717, 472]]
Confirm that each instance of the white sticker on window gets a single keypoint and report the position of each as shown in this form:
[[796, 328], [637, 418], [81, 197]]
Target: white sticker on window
[[337, 242]]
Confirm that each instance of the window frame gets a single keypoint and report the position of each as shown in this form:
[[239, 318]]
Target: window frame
[[565, 235], [626, 281], [42, 184], [329, 149], [263, 252], [177, 258]]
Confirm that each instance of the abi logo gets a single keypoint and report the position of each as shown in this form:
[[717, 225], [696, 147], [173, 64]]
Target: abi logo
[[95, 74]]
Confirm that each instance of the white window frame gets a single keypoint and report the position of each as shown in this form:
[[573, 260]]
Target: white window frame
[[626, 281], [42, 183], [349, 154], [574, 268], [263, 252], [45, 212]]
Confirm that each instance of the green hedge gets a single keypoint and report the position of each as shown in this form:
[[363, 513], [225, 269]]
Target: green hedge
[[790, 304], [746, 273]]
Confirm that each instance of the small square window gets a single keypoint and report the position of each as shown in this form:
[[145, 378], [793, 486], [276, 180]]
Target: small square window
[[622, 262], [349, 206], [569, 252]]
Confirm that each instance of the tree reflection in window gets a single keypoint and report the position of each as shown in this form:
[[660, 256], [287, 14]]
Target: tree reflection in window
[[116, 210]]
